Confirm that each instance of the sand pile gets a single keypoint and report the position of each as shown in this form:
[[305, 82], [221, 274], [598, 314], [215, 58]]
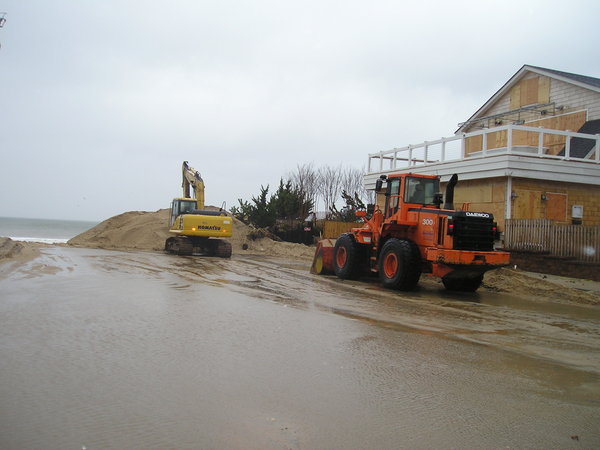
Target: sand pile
[[139, 230], [135, 230], [9, 248], [542, 286]]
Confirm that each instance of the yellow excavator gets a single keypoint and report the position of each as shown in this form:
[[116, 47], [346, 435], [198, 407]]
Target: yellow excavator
[[194, 229]]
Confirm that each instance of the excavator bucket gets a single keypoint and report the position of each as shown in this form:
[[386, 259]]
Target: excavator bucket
[[323, 260]]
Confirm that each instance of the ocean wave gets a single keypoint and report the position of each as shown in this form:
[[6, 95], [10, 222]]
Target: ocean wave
[[40, 240]]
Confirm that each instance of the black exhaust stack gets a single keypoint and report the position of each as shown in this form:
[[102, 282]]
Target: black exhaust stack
[[449, 204]]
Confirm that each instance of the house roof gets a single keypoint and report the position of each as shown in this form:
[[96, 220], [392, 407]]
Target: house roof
[[579, 80], [580, 147]]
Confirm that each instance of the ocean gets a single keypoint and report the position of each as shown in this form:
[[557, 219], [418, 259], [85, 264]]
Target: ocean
[[42, 230]]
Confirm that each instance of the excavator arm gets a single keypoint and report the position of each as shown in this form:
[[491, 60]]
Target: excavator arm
[[193, 185]]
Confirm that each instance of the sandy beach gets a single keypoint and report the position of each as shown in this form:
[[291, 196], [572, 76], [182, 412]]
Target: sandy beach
[[111, 343]]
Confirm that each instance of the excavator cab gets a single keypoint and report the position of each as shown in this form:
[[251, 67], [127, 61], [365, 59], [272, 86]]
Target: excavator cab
[[181, 206]]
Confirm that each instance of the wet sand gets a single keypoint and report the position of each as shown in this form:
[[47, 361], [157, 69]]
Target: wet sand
[[108, 349]]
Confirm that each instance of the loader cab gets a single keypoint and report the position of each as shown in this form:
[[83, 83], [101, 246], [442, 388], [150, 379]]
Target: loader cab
[[417, 190], [421, 191], [181, 206], [392, 196]]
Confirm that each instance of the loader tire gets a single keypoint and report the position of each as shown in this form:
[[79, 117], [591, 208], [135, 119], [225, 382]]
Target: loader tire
[[346, 257], [462, 284], [399, 264]]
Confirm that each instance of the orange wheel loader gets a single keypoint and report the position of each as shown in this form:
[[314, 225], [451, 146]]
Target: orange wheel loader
[[414, 234]]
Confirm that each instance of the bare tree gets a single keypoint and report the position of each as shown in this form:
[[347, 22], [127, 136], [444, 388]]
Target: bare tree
[[306, 179], [330, 185], [352, 181], [327, 183], [368, 196], [365, 195]]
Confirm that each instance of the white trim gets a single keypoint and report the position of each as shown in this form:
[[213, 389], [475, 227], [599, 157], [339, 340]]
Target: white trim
[[508, 199], [557, 115], [410, 157], [503, 165]]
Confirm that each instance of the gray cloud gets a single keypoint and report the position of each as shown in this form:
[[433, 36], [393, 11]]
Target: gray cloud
[[101, 101]]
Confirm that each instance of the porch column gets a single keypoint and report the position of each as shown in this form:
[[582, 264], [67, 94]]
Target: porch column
[[508, 199]]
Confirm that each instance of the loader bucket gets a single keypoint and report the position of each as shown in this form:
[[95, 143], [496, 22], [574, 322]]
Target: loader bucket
[[323, 260]]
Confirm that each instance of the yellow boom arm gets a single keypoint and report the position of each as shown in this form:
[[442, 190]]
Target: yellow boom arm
[[192, 181]]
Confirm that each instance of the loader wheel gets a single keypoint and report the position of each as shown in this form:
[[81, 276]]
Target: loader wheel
[[399, 264], [346, 254], [463, 284]]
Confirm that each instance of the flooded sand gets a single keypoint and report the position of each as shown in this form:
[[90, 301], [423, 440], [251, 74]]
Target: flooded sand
[[107, 349]]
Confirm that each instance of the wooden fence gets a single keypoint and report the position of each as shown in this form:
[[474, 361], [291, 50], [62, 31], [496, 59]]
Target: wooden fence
[[333, 229], [544, 236]]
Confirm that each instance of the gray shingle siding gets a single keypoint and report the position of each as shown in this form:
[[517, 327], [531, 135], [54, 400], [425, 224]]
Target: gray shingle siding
[[575, 98]]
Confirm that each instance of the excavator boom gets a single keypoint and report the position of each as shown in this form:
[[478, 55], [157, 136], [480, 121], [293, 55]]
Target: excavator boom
[[193, 184]]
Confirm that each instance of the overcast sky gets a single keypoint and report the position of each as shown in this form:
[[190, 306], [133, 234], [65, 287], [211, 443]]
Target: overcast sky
[[101, 101]]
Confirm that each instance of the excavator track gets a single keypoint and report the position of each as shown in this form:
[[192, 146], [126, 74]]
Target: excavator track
[[184, 246], [223, 249], [179, 245], [214, 247]]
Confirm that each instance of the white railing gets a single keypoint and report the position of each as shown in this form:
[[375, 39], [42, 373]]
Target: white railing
[[507, 139]]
